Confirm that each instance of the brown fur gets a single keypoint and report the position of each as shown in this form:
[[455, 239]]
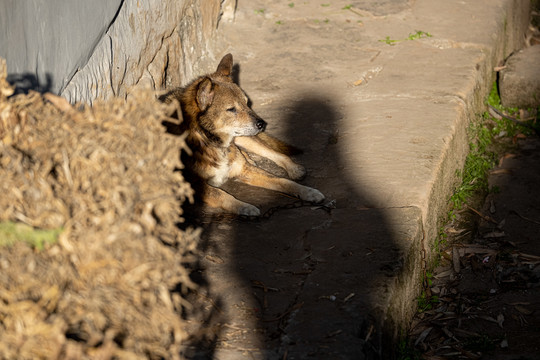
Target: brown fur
[[220, 124]]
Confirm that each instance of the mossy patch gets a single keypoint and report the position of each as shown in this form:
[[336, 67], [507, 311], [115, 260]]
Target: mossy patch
[[11, 233]]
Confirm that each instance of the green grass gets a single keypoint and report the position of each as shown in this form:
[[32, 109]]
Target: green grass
[[425, 301], [477, 165], [483, 155], [11, 233], [439, 244]]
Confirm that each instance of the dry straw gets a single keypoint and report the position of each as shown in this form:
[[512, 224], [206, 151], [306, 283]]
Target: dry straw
[[115, 283]]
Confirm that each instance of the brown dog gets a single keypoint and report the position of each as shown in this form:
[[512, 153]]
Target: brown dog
[[220, 124]]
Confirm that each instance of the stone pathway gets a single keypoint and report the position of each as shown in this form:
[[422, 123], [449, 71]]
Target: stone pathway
[[383, 127]]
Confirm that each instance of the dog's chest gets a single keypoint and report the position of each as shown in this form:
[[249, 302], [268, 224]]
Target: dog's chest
[[225, 167]]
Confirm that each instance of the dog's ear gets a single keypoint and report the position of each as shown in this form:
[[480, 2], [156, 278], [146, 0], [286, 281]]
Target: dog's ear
[[205, 94], [225, 66]]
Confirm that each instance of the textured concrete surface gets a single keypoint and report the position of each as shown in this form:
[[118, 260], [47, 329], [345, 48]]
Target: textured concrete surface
[[383, 128], [520, 79], [94, 50]]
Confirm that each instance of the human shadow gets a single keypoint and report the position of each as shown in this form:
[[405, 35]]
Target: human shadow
[[306, 281]]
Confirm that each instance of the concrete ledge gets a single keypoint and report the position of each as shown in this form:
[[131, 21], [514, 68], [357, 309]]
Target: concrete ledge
[[384, 128]]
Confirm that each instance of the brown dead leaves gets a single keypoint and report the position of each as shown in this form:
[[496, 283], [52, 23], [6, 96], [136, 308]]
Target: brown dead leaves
[[115, 284]]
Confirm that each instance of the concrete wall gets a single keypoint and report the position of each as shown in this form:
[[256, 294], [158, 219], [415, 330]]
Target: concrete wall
[[87, 50]]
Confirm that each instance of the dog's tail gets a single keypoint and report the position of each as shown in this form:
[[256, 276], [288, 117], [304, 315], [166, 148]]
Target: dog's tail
[[278, 145]]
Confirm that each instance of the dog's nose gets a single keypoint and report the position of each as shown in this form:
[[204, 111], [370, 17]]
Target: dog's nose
[[261, 124]]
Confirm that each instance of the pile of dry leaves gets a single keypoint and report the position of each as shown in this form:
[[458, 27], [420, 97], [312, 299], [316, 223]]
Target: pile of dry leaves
[[483, 298], [114, 285]]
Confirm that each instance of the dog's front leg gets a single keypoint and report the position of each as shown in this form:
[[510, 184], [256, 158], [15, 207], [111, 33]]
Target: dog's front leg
[[218, 198], [257, 177], [256, 146]]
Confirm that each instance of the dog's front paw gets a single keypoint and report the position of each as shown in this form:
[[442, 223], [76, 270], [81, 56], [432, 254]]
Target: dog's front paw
[[311, 194], [248, 210], [295, 171]]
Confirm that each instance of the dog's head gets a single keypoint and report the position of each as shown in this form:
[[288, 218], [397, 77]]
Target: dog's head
[[224, 106]]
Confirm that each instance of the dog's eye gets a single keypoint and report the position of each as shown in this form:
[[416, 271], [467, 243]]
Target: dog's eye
[[232, 109]]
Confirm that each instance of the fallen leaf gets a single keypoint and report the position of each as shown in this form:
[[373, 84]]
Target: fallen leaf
[[500, 320], [444, 274], [523, 310], [455, 260], [501, 172], [494, 234], [334, 333], [488, 318], [215, 259], [423, 336], [479, 250]]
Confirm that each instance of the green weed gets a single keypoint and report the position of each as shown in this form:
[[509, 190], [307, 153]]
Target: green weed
[[260, 11], [439, 244], [413, 36], [11, 232], [406, 351], [291, 5], [426, 302]]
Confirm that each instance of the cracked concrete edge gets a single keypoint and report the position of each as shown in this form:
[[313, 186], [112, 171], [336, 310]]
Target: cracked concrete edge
[[403, 293]]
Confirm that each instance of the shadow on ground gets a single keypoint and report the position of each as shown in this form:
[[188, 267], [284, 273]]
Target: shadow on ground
[[306, 282]]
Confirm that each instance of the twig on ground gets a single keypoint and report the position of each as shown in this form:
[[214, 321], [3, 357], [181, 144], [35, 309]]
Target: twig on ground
[[485, 217]]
